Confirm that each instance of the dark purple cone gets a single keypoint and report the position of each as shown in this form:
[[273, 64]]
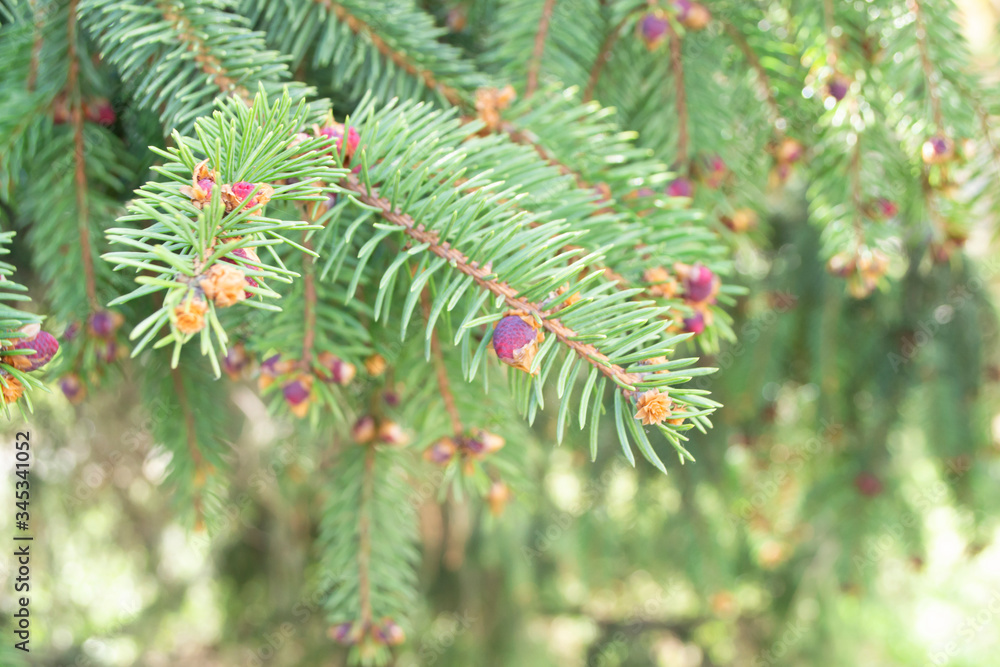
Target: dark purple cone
[[71, 332], [868, 484], [694, 324], [72, 387], [511, 333], [343, 633], [440, 452], [102, 323], [699, 283], [45, 346], [653, 28], [295, 392], [270, 365], [680, 187], [837, 88]]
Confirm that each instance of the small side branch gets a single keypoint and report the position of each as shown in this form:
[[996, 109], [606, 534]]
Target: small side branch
[[79, 154], [365, 538], [535, 63], [680, 94], [602, 58], [483, 278], [762, 78], [203, 56], [359, 27], [925, 60], [444, 386]]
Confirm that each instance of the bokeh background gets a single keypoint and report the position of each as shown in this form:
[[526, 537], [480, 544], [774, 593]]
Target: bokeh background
[[844, 511]]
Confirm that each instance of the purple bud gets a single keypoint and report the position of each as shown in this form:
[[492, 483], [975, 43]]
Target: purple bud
[[206, 184], [103, 323], [343, 633], [71, 332], [699, 284], [695, 323], [680, 187], [72, 387], [235, 361], [270, 365], [295, 392], [441, 451], [682, 7], [363, 430], [389, 633], [838, 88], [653, 28]]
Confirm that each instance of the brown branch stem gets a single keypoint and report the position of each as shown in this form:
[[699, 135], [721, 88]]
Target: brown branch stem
[[763, 80], [36, 49], [79, 154], [191, 434], [535, 64], [602, 58], [309, 303], [364, 537], [677, 66], [203, 56], [484, 279], [444, 386], [928, 66], [359, 27]]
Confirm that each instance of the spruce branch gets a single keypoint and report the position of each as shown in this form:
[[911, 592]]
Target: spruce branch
[[198, 232]]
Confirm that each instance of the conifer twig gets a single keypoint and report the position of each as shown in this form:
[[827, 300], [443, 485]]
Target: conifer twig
[[444, 386], [80, 173], [358, 27], [482, 278], [309, 303], [928, 66], [762, 78], [602, 57], [364, 537], [536, 55], [203, 56], [677, 66], [36, 48], [190, 433]]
